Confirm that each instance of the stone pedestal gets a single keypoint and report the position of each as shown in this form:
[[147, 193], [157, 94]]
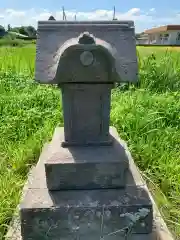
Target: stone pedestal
[[97, 207], [79, 167]]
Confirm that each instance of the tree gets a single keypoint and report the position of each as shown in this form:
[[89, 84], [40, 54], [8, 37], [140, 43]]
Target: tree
[[2, 28], [23, 31], [15, 29], [9, 27], [2, 31], [31, 31]]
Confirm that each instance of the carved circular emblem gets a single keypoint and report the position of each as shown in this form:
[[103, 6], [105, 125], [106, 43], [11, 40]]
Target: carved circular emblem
[[86, 58]]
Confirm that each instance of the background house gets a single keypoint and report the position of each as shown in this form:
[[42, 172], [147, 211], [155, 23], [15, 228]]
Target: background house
[[165, 35], [142, 39]]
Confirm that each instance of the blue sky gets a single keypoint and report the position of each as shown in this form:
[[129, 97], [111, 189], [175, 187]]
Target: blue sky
[[145, 13]]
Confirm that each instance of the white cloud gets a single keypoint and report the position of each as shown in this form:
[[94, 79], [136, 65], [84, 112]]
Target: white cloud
[[152, 10], [143, 19], [14, 13], [134, 12]]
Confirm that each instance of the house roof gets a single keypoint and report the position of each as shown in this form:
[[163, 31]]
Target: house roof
[[162, 29]]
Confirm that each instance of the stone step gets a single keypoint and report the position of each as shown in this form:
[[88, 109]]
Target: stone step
[[37, 183], [91, 167], [107, 214], [75, 214]]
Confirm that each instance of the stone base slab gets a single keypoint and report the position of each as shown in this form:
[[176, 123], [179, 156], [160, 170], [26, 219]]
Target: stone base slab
[[160, 230], [84, 214], [37, 181], [77, 214], [90, 167]]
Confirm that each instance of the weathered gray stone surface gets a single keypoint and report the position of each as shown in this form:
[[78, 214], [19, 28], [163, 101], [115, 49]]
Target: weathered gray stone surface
[[72, 214], [120, 35], [160, 231], [85, 167], [37, 181], [86, 88], [86, 113], [86, 59], [77, 214]]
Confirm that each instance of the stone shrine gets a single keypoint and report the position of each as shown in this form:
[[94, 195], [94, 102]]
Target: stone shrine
[[84, 186]]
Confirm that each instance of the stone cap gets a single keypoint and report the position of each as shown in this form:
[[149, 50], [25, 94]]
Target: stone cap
[[85, 43], [51, 36], [46, 25]]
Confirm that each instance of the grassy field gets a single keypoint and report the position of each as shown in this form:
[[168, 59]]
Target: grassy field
[[147, 116]]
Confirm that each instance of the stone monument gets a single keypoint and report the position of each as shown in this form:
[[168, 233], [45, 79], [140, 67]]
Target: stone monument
[[83, 186]]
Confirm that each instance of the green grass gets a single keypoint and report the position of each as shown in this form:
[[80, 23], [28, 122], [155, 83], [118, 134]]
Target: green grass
[[15, 42], [147, 116], [18, 60], [10, 40]]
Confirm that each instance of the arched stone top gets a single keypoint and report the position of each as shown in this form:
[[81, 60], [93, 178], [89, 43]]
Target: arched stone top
[[116, 40], [71, 46]]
